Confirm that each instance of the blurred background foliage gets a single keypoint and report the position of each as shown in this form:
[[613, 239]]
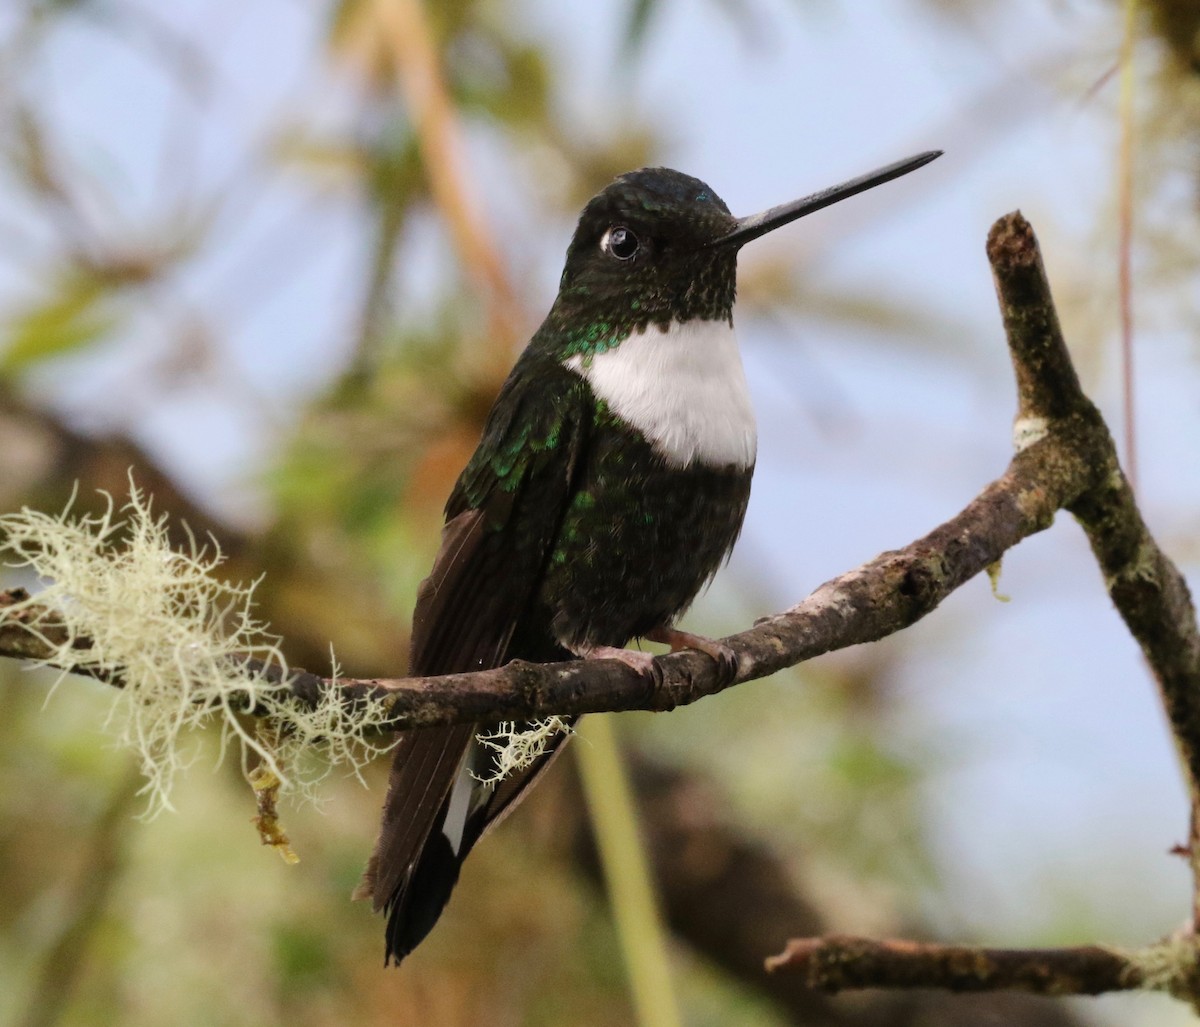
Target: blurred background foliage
[[277, 258]]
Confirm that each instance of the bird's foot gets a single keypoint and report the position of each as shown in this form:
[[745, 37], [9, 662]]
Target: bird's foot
[[643, 663], [724, 657]]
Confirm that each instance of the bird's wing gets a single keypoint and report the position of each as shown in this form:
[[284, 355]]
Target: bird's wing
[[503, 520]]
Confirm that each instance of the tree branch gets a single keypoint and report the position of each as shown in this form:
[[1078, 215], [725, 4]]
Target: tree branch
[[1145, 586], [881, 597], [840, 962]]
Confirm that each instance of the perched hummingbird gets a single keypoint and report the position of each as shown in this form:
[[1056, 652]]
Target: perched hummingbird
[[608, 487]]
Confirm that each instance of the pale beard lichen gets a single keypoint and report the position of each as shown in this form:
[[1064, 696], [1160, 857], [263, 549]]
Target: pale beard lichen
[[176, 639], [517, 750]]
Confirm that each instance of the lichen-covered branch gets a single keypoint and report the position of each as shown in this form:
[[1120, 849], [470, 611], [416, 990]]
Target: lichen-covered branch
[[877, 599]]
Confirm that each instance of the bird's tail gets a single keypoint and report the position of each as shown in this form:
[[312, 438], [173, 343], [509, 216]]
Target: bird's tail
[[420, 848], [419, 903], [435, 812]]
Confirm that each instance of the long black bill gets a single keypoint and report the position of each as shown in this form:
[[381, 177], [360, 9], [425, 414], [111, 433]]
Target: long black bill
[[752, 227]]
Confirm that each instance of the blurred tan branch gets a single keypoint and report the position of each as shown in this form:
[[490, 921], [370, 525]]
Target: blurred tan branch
[[404, 27]]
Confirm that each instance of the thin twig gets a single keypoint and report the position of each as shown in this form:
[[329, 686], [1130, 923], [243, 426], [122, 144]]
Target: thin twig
[[1125, 153], [406, 28]]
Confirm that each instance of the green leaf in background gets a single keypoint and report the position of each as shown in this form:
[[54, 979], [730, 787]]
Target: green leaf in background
[[74, 314]]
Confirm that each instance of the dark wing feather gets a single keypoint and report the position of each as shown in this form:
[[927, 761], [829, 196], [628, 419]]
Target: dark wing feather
[[502, 522]]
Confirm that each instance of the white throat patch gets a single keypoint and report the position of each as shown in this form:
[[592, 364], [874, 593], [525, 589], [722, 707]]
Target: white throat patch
[[684, 389]]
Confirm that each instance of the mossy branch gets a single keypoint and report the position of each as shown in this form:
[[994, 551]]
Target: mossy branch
[[183, 647]]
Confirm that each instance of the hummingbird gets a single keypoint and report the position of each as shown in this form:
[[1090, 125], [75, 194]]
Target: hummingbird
[[608, 487]]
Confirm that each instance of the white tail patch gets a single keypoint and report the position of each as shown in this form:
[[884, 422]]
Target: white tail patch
[[459, 808], [683, 388]]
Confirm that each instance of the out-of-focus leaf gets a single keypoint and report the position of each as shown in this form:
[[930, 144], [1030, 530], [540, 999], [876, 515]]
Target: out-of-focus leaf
[[75, 314], [740, 13], [335, 159], [29, 156], [636, 25], [1178, 22], [394, 172], [510, 81], [354, 40], [595, 164], [50, 7]]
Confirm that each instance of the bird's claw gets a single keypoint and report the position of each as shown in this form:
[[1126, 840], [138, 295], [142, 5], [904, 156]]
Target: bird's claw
[[726, 660], [645, 664], [724, 657]]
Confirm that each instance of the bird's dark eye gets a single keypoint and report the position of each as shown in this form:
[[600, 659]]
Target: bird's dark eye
[[620, 242]]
